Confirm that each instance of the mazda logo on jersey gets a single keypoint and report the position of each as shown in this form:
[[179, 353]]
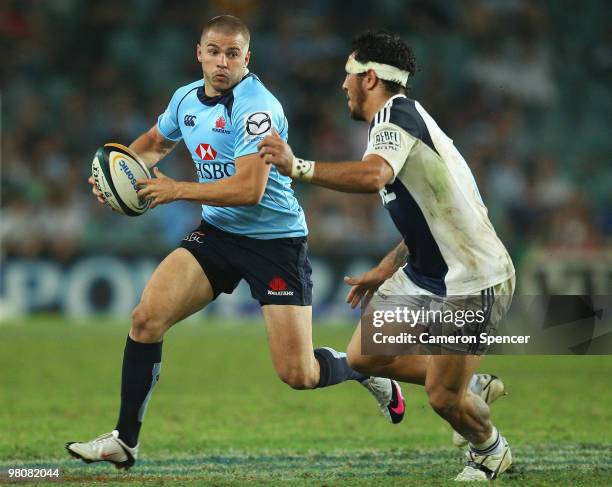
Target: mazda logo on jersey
[[206, 152], [258, 123]]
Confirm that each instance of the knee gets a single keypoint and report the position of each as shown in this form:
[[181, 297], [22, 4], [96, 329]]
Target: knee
[[360, 363], [146, 326], [297, 378], [443, 401]]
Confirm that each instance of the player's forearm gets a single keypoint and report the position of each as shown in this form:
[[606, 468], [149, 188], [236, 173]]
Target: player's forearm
[[226, 192], [394, 259], [349, 177], [151, 147]]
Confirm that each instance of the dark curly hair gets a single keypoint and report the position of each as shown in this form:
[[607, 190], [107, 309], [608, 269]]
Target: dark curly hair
[[386, 48]]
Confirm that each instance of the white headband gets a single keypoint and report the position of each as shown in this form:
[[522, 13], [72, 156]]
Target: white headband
[[383, 71]]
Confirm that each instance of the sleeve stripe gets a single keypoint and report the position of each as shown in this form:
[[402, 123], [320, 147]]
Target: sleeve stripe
[[383, 116], [179, 106]]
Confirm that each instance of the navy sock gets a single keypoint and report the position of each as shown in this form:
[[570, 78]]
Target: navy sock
[[335, 368], [140, 373]]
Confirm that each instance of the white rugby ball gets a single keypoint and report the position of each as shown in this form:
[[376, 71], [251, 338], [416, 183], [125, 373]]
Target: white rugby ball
[[115, 169]]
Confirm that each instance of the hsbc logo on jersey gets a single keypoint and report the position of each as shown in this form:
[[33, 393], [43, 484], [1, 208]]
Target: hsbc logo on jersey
[[387, 139], [206, 152], [278, 287]]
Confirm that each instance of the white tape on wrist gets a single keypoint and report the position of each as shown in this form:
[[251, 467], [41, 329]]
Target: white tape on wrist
[[302, 169]]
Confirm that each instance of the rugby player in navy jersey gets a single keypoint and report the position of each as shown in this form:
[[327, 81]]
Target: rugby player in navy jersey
[[449, 251], [252, 228]]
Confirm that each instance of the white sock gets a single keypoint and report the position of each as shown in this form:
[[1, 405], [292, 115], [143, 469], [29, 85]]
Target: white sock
[[489, 447], [473, 382]]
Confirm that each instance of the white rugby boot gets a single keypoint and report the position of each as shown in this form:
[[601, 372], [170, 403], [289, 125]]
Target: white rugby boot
[[489, 388], [388, 395], [105, 448], [482, 467]]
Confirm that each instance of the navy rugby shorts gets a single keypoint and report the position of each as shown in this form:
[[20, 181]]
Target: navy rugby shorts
[[277, 270]]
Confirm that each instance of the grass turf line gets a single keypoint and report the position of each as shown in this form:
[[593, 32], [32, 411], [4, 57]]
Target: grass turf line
[[220, 416]]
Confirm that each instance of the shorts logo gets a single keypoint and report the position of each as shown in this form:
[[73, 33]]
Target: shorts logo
[[194, 237], [258, 123], [206, 152], [278, 287], [189, 120]]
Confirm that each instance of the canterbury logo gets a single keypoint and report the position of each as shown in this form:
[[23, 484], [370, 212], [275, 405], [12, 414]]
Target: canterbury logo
[[189, 120]]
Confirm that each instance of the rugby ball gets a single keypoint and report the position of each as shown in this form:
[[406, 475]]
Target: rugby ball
[[115, 169]]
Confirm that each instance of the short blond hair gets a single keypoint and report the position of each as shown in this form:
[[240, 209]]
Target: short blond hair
[[227, 24]]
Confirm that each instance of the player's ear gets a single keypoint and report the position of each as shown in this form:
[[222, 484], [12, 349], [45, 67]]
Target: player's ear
[[247, 58], [370, 79], [199, 52]]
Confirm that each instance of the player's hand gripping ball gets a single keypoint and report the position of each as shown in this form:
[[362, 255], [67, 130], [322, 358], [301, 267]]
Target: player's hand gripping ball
[[158, 190], [115, 169]]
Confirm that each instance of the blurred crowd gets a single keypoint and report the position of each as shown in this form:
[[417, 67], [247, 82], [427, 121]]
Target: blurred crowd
[[523, 88]]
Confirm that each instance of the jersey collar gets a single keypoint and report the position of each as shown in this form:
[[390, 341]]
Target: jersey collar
[[389, 102], [226, 98]]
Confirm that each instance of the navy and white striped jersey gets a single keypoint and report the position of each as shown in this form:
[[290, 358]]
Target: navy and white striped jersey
[[435, 204]]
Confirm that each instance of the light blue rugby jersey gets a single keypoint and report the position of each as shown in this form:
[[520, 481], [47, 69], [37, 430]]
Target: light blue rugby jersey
[[216, 131]]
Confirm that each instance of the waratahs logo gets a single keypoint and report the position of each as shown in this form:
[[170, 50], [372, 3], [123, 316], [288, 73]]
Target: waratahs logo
[[125, 169]]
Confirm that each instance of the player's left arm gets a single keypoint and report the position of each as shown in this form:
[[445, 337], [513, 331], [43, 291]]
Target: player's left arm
[[381, 163], [245, 187], [254, 116], [367, 176]]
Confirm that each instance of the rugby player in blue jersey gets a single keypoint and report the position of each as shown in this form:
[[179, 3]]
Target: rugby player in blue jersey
[[252, 228]]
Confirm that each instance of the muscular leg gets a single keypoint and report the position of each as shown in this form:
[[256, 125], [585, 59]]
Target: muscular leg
[[289, 331], [446, 379], [447, 388], [297, 364], [177, 288], [406, 368]]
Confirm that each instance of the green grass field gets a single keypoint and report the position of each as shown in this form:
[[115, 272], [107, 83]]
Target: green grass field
[[219, 415]]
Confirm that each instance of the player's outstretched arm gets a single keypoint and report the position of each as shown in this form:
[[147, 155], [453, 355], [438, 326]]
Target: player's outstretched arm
[[368, 282], [367, 176], [152, 146]]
